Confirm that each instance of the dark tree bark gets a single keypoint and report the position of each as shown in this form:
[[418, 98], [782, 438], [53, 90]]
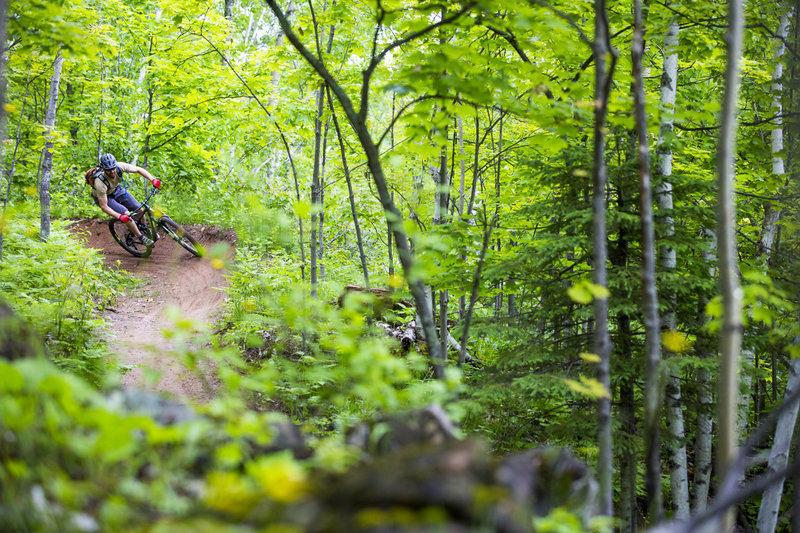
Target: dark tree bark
[[351, 196], [316, 190], [652, 319], [602, 341]]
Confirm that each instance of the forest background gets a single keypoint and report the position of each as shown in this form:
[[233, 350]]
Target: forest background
[[548, 182]]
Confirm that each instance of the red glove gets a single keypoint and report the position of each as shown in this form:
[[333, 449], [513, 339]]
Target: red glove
[[156, 183], [124, 218]]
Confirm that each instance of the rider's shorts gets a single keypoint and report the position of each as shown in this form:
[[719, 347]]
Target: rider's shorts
[[120, 200]]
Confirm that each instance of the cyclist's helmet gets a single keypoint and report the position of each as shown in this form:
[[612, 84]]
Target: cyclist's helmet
[[108, 161]]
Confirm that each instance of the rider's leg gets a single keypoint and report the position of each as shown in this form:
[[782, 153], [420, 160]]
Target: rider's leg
[[123, 202], [119, 208]]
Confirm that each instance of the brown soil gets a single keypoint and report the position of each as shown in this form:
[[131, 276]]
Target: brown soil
[[171, 276]]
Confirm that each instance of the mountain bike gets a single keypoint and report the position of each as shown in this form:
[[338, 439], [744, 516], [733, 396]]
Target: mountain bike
[[149, 219]]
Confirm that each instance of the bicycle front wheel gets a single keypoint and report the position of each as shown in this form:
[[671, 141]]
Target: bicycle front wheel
[[181, 236], [125, 238]]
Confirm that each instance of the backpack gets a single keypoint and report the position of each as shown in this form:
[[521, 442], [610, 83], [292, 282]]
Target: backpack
[[97, 172]]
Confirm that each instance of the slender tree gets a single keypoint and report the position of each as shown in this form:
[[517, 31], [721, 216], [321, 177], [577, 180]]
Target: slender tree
[[705, 394], [350, 195], [652, 319], [11, 167], [602, 341], [679, 478], [785, 427], [47, 158], [731, 341]]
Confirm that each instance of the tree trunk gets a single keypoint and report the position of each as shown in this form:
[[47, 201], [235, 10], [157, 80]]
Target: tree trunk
[[3, 13], [771, 213], [47, 160], [779, 454], [487, 236], [784, 429], [679, 477], [652, 320], [705, 397], [315, 189], [351, 196], [629, 461], [12, 165], [498, 303], [602, 341], [731, 342], [150, 93], [463, 172], [321, 190], [388, 224], [100, 108], [390, 257], [358, 120]]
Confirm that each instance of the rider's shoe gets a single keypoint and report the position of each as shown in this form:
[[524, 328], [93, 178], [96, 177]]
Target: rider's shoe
[[147, 241]]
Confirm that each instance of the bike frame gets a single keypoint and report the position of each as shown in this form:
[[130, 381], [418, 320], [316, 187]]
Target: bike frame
[[148, 219], [150, 212]]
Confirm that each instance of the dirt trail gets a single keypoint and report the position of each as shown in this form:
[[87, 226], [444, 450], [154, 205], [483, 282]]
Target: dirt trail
[[171, 276]]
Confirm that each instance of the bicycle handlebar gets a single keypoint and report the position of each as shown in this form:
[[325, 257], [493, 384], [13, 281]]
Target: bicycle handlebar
[[154, 190]]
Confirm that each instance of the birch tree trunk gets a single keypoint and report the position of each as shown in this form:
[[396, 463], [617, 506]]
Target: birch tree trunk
[[731, 341], [679, 477], [602, 341], [771, 213], [784, 428], [779, 454], [47, 160]]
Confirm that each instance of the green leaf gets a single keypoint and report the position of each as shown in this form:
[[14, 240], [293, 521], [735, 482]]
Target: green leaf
[[588, 387]]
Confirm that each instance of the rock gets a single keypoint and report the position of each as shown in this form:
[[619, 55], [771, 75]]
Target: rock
[[455, 486], [155, 405], [383, 304], [387, 434], [18, 340]]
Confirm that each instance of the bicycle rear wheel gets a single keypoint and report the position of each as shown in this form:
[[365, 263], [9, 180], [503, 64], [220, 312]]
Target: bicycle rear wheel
[[125, 238], [181, 236]]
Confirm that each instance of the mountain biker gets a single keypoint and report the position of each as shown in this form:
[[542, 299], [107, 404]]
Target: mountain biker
[[110, 194]]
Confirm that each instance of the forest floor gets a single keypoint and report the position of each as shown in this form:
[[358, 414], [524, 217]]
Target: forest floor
[[170, 277]]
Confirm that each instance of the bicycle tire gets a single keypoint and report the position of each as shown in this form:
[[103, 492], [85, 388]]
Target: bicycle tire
[[127, 240], [181, 236]]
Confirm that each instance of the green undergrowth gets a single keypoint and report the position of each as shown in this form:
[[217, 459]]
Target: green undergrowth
[[327, 366], [60, 288], [78, 462]]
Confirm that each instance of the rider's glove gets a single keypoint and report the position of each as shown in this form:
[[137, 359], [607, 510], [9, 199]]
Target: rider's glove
[[124, 218], [156, 183]]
